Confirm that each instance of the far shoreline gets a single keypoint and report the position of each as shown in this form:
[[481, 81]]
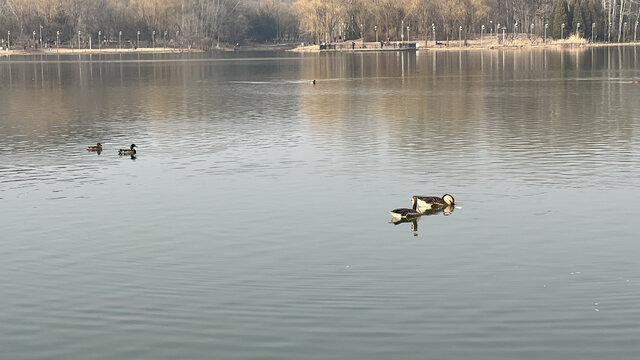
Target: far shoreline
[[471, 45], [109, 51]]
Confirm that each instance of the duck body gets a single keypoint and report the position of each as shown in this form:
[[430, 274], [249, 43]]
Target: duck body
[[404, 213], [130, 151], [434, 202], [98, 147]]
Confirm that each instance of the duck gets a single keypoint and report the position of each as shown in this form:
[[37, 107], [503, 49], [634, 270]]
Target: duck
[[130, 151], [98, 147], [433, 202], [404, 213]]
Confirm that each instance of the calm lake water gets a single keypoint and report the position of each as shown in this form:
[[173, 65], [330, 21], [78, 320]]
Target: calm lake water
[[254, 222]]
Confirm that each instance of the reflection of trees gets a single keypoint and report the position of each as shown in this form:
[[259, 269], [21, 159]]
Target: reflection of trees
[[494, 106]]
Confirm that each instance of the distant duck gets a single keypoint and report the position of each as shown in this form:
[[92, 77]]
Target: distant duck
[[314, 82], [406, 213], [98, 147], [433, 202], [130, 151]]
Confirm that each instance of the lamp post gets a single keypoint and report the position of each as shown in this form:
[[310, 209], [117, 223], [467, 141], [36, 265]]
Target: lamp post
[[578, 29], [624, 32], [99, 40], [120, 39], [153, 38], [635, 31], [375, 28], [504, 33], [8, 40], [481, 33], [545, 32], [593, 31], [41, 35], [490, 27], [165, 38], [408, 40], [79, 40], [460, 35], [57, 41], [433, 27], [532, 25], [402, 31], [361, 34], [562, 32], [33, 38], [138, 39]]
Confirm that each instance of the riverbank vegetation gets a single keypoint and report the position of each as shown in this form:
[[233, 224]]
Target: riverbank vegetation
[[212, 23]]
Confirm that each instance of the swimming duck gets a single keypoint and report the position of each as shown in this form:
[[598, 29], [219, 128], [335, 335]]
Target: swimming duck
[[403, 213], [130, 151], [98, 147], [433, 202]]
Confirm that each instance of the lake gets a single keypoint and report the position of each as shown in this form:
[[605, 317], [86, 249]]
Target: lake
[[254, 221]]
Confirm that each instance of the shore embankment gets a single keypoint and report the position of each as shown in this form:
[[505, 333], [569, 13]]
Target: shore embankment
[[491, 42], [67, 51]]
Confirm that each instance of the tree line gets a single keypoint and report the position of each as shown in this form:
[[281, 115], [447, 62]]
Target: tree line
[[328, 20], [207, 23]]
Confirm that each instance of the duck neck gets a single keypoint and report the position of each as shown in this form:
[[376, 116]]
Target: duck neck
[[415, 203]]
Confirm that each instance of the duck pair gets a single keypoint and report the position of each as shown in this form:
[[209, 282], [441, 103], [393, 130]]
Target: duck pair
[[130, 151], [421, 204]]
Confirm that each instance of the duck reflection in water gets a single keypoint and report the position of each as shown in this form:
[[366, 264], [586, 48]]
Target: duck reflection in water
[[446, 211], [414, 224]]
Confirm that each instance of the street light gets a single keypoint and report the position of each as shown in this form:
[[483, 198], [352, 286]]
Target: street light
[[402, 31], [120, 39], [99, 40], [57, 41], [504, 29], [433, 27], [545, 32], [593, 30], [138, 39], [624, 32], [481, 33], [153, 38], [361, 34], [34, 36], [562, 32], [532, 30], [41, 35], [408, 35], [8, 40], [490, 27], [79, 40], [578, 29], [375, 28], [460, 35], [635, 31]]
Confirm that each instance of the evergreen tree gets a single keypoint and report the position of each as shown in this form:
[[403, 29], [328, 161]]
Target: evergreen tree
[[578, 18], [559, 16]]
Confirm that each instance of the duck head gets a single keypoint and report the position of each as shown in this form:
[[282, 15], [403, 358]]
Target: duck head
[[132, 146], [98, 145], [448, 199]]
